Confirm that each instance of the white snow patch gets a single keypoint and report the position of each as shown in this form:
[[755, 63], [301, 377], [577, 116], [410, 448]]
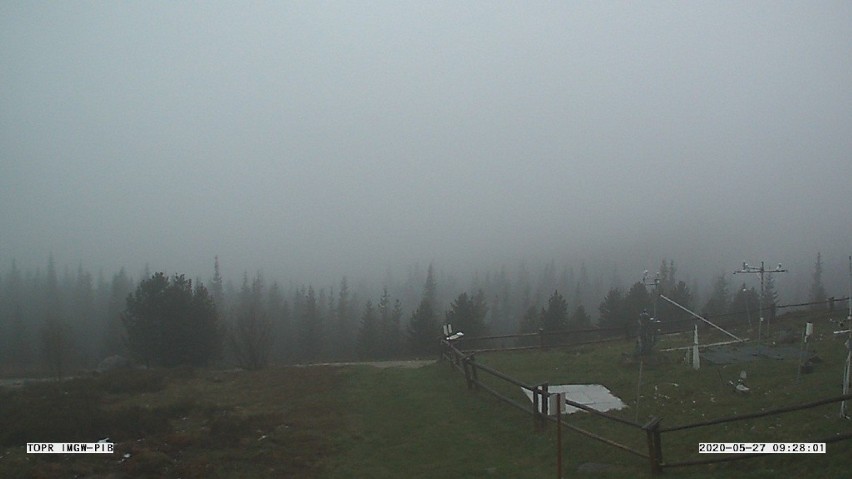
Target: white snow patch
[[596, 396]]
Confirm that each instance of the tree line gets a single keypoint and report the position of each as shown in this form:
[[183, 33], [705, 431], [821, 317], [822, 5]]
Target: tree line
[[74, 319]]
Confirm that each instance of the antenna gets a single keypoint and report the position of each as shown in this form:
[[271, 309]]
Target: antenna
[[655, 283], [761, 271]]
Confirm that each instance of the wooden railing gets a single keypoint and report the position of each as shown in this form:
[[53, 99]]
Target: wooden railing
[[745, 417], [465, 362]]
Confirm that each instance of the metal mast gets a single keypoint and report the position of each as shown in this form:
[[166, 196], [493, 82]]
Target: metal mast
[[761, 271]]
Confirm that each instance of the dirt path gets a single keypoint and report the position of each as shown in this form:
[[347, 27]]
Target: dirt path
[[380, 364]]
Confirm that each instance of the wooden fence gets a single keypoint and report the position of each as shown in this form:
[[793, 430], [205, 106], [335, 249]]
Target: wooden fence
[[578, 337], [658, 431], [543, 339], [465, 362]]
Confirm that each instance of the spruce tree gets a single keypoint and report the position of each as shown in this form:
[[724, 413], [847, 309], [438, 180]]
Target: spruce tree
[[423, 330], [369, 338], [169, 323], [580, 319], [611, 310], [818, 295], [251, 334], [467, 314], [555, 316]]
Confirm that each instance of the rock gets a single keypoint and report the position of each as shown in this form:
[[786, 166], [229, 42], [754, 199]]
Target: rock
[[112, 363]]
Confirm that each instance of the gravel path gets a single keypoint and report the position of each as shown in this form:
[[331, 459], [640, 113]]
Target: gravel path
[[381, 364]]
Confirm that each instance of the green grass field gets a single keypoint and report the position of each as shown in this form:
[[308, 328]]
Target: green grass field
[[363, 421]]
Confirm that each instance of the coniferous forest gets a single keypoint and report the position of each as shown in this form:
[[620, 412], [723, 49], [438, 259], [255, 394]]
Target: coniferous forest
[[60, 320]]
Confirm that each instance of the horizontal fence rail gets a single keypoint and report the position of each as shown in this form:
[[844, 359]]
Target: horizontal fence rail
[[539, 408], [771, 412], [737, 457], [549, 339], [465, 362]]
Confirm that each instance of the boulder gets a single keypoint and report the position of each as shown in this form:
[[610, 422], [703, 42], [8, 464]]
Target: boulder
[[112, 363]]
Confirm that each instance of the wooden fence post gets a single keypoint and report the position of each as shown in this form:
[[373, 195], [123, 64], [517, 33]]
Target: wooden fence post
[[540, 338], [535, 402], [545, 400], [559, 400], [467, 377], [655, 446], [473, 371]]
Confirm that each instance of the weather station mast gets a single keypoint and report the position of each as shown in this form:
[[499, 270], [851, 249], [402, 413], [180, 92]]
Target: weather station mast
[[654, 283], [761, 271]]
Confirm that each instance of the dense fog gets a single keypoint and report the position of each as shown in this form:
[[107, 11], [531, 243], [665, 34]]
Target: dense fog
[[511, 146]]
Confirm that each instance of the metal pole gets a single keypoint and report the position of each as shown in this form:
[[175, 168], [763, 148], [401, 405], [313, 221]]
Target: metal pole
[[748, 310], [559, 435], [801, 357], [695, 315], [846, 370], [760, 299], [696, 357], [762, 270], [639, 385], [849, 296], [843, 406]]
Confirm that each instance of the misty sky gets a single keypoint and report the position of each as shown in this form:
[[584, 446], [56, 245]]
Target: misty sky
[[316, 139]]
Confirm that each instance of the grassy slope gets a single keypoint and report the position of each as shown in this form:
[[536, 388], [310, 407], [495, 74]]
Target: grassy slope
[[362, 421], [179, 423], [422, 423], [681, 395]]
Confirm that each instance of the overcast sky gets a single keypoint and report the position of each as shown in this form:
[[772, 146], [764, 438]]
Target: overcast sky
[[317, 139]]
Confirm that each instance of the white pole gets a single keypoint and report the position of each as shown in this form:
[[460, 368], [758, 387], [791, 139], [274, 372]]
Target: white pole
[[699, 317], [696, 358], [639, 386], [849, 296], [843, 406]]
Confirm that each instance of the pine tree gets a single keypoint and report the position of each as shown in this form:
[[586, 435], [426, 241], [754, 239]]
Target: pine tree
[[665, 278], [467, 314], [719, 301], [113, 336], [555, 316], [770, 296], [217, 289], [580, 319], [169, 323], [430, 289], [394, 334], [818, 295], [636, 302], [423, 328], [530, 321], [15, 344], [682, 295], [310, 327], [369, 339], [744, 306], [282, 330], [56, 333], [251, 334], [611, 310], [343, 314], [389, 324]]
